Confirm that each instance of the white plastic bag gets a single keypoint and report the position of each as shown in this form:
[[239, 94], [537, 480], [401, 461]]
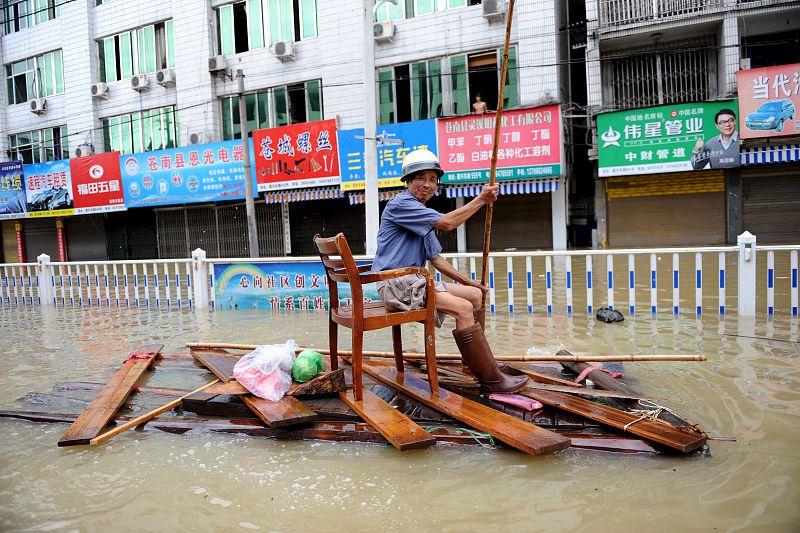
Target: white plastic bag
[[267, 370]]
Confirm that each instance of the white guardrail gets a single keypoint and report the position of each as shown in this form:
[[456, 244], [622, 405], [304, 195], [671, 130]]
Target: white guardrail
[[560, 283]]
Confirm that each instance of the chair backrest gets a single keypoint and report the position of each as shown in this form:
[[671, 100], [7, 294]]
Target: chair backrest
[[340, 267]]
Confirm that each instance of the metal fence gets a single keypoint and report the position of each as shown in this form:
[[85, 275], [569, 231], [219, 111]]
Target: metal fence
[[744, 278], [623, 12]]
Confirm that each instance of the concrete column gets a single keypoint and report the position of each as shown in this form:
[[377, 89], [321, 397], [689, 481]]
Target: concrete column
[[287, 230], [44, 273], [372, 218], [728, 55], [747, 274], [734, 187], [559, 214], [200, 278], [461, 231]]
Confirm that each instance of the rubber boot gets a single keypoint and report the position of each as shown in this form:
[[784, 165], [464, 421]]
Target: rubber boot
[[477, 355], [480, 317]]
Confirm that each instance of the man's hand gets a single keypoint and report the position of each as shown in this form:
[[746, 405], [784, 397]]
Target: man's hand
[[478, 284], [489, 193]]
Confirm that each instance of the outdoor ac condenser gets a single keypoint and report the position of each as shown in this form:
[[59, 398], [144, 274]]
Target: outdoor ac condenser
[[38, 106], [83, 150], [284, 50], [383, 31], [140, 82], [165, 77], [100, 90], [494, 10], [216, 64]]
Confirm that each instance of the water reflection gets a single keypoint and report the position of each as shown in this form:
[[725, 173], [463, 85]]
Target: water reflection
[[749, 389]]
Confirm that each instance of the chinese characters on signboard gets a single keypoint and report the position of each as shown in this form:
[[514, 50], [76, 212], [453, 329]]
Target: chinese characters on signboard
[[769, 99], [529, 145], [668, 138], [13, 202], [202, 173], [296, 156], [408, 136], [277, 286], [48, 189], [96, 183]]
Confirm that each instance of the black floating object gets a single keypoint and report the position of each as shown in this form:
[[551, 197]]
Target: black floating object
[[609, 315]]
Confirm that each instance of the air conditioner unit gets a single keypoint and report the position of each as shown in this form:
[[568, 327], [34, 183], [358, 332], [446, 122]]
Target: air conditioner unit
[[166, 77], [216, 64], [99, 90], [38, 105], [198, 137], [140, 82], [383, 31], [83, 150], [284, 50], [494, 10]]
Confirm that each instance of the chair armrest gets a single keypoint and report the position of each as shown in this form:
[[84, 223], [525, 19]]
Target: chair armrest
[[383, 275]]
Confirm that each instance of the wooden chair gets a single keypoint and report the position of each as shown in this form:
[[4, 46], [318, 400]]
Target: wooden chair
[[364, 316]]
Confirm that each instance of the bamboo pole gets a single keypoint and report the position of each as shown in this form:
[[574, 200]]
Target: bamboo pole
[[512, 358], [147, 416], [493, 169]]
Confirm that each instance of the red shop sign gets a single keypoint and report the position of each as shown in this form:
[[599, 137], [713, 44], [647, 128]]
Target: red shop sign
[[96, 183]]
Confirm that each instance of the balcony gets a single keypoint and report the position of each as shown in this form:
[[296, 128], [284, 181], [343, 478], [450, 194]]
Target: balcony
[[617, 13]]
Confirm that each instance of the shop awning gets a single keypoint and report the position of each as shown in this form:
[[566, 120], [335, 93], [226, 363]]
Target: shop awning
[[300, 195], [383, 196], [770, 154], [506, 187]]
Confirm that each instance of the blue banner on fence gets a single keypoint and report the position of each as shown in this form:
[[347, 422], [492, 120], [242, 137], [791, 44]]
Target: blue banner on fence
[[288, 286], [413, 135], [201, 173], [12, 191]]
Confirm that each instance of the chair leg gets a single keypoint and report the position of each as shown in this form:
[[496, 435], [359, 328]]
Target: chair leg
[[358, 344], [430, 355], [397, 340], [333, 341]]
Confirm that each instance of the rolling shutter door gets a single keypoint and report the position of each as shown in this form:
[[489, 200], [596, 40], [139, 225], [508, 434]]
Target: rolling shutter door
[[86, 238], [40, 237], [771, 203], [686, 209], [521, 221]]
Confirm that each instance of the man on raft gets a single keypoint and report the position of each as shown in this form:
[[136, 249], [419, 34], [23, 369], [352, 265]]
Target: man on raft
[[406, 238]]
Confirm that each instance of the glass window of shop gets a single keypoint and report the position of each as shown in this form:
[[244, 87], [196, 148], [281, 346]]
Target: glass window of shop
[[35, 77], [145, 131], [39, 146], [140, 51], [253, 24]]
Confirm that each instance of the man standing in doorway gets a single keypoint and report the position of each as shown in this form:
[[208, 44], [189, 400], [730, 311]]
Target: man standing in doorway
[[479, 107]]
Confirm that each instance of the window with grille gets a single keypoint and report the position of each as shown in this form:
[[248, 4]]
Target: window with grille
[[685, 73]]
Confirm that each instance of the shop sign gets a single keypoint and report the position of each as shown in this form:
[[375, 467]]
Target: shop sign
[[96, 183], [292, 286], [529, 145], [296, 156], [48, 189], [670, 138], [201, 173], [395, 141], [13, 201], [769, 101]]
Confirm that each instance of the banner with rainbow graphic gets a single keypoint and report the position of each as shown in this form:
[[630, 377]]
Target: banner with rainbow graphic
[[292, 286]]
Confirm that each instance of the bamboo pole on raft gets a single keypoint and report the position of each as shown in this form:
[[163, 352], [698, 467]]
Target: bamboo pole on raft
[[493, 169], [544, 358]]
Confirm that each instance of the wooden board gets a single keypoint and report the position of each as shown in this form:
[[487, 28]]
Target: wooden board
[[658, 432], [284, 412], [542, 378], [513, 431], [104, 406], [600, 379], [401, 432]]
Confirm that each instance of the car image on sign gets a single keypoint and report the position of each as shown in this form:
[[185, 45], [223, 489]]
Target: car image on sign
[[770, 115]]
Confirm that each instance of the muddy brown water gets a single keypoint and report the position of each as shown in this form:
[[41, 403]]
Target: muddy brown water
[[152, 481]]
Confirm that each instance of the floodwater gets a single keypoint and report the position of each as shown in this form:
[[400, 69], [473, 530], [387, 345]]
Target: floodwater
[[748, 389]]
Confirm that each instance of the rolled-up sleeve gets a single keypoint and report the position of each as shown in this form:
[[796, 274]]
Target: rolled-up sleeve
[[432, 246]]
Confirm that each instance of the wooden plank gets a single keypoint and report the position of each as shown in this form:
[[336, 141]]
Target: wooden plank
[[584, 391], [326, 383], [220, 363], [542, 378], [658, 432], [102, 408], [285, 412], [513, 431], [401, 432], [600, 379]]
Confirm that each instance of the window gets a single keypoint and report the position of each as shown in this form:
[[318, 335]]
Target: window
[[253, 24], [446, 86], [35, 77], [278, 106], [141, 51], [101, 2], [145, 131], [38, 146], [21, 14], [686, 73], [411, 8]]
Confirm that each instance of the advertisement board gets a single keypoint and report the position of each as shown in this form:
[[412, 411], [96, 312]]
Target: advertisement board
[[296, 156], [96, 183], [201, 173], [669, 138], [769, 101], [13, 201], [48, 189], [529, 145], [293, 286], [407, 136]]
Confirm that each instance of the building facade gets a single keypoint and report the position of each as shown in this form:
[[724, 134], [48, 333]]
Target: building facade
[[92, 76]]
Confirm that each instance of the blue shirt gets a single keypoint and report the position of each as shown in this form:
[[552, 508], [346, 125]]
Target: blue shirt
[[406, 237]]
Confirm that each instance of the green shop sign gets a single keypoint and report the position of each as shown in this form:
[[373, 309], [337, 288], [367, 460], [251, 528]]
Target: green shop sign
[[669, 138]]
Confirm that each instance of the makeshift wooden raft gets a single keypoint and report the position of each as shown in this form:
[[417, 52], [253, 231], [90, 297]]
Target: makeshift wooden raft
[[332, 418]]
